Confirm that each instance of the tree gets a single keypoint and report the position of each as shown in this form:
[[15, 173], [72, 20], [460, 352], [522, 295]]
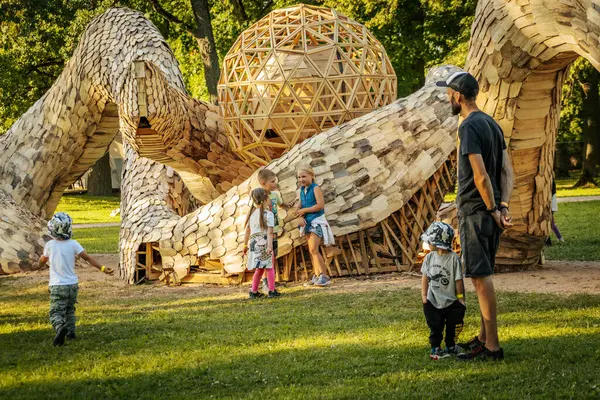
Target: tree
[[201, 29], [100, 178], [579, 123]]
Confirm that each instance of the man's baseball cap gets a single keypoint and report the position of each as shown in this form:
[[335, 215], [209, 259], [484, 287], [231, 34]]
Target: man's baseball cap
[[462, 82]]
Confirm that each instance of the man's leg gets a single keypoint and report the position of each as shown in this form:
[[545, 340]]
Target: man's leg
[[487, 303]]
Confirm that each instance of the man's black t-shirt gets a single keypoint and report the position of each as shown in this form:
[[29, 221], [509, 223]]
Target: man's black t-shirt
[[478, 134]]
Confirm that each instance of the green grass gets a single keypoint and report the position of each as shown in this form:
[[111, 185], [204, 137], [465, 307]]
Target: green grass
[[104, 240], [149, 343], [564, 188], [579, 223], [86, 209]]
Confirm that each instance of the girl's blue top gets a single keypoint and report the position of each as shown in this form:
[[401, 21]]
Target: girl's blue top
[[308, 199]]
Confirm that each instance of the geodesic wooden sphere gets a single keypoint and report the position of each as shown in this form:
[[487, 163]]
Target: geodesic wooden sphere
[[296, 72]]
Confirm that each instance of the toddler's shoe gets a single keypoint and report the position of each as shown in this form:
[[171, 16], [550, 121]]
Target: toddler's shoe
[[59, 339], [255, 295], [437, 353], [274, 294]]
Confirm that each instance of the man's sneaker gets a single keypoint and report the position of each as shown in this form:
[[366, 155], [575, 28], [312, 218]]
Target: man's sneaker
[[452, 350], [323, 280], [437, 353], [255, 295], [71, 335], [482, 353], [471, 344], [274, 294], [59, 339]]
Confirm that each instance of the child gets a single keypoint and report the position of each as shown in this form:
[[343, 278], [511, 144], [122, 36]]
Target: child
[[554, 207], [268, 181], [442, 290], [259, 232], [60, 253], [314, 224]]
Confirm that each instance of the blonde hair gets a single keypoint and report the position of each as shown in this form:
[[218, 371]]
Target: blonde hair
[[258, 196], [306, 168]]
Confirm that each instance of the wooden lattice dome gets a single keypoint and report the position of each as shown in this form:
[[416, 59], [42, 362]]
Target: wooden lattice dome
[[296, 72]]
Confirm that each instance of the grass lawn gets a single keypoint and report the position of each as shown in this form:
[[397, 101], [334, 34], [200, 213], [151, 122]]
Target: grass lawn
[[579, 223], [144, 342], [104, 240], [86, 209], [564, 188]]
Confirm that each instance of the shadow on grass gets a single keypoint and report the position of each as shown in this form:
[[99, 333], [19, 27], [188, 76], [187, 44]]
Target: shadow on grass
[[353, 371]]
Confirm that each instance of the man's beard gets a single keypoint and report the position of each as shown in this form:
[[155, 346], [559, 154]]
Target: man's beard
[[456, 107]]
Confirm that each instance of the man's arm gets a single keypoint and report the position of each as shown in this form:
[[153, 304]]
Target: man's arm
[[482, 180], [507, 182], [507, 179], [484, 186]]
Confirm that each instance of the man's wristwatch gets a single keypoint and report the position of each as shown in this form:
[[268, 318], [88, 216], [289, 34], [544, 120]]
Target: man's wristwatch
[[502, 207], [493, 209]]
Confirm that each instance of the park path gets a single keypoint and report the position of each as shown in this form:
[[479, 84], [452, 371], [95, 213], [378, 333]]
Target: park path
[[577, 198]]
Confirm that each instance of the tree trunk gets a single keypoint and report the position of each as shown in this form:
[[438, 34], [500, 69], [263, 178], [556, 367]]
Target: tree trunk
[[206, 41], [100, 180], [419, 62], [591, 112], [563, 161]]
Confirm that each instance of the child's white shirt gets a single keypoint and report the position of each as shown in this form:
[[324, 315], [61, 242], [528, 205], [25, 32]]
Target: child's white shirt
[[61, 259]]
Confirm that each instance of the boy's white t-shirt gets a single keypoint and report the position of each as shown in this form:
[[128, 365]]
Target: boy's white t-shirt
[[61, 259]]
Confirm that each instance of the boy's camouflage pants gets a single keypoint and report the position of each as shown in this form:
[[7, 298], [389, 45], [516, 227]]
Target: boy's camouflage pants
[[62, 306]]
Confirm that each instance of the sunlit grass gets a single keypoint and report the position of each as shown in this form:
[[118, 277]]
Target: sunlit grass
[[146, 343], [102, 240], [86, 209], [579, 224]]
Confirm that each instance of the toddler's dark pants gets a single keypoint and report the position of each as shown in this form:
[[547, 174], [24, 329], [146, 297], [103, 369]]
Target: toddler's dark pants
[[450, 318]]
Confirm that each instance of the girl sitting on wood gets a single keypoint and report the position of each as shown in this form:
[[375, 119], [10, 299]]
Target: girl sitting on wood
[[314, 224], [259, 239]]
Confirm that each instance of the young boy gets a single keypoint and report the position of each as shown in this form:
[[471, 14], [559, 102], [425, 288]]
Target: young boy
[[60, 253], [442, 290], [268, 181]]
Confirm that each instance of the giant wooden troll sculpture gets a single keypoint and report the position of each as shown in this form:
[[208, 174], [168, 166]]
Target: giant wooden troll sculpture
[[184, 189]]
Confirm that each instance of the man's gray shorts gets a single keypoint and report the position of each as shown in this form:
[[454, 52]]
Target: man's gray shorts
[[479, 240]]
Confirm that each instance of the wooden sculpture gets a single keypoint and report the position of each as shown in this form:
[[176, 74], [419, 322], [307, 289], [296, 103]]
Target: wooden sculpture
[[383, 173], [297, 72], [520, 52]]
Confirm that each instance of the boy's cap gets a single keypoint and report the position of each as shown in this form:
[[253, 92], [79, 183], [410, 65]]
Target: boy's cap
[[463, 82]]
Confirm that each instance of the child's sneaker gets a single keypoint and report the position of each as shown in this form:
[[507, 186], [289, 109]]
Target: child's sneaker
[[274, 294], [323, 280], [453, 350], [255, 295], [471, 344], [59, 339], [437, 353], [312, 281]]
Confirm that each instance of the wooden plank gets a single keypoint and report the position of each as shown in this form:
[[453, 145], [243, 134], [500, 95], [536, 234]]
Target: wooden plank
[[372, 247], [353, 255], [363, 251]]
